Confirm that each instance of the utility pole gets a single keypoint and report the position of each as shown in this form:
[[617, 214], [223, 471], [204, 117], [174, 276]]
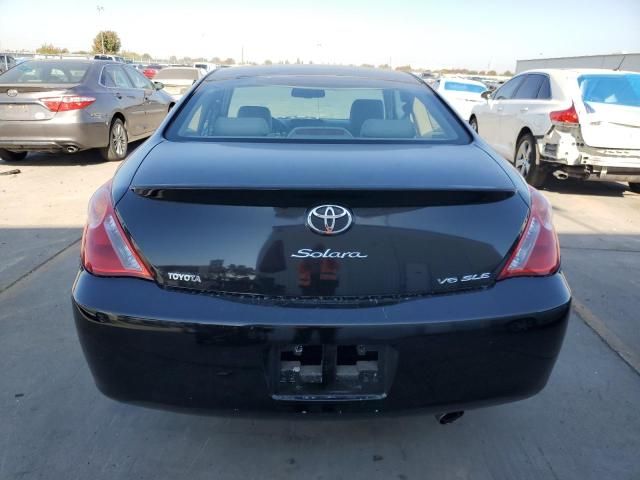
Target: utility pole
[[101, 10], [242, 56]]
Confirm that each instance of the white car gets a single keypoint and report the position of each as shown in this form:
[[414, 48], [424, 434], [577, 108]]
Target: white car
[[578, 123], [178, 80], [462, 94]]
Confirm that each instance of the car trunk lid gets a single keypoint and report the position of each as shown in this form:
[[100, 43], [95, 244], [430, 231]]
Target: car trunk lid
[[235, 219], [610, 126], [23, 102]]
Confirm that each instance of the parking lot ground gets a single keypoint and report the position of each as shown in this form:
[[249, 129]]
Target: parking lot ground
[[55, 425]]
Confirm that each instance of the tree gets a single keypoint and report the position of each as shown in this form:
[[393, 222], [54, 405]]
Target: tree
[[268, 62], [367, 65], [146, 57], [216, 60], [48, 48], [228, 61], [173, 59], [507, 73], [491, 72], [404, 68], [107, 39], [385, 66]]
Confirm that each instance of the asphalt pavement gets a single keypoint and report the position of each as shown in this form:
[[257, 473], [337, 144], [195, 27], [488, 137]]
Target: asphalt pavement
[[55, 425]]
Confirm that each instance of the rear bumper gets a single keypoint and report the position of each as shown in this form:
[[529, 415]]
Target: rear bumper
[[177, 350], [77, 130], [566, 151]]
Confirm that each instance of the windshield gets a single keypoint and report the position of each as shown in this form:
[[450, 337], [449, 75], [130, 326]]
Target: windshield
[[34, 72], [177, 74], [464, 87], [315, 108], [621, 89]]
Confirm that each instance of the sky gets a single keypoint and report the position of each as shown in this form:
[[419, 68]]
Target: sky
[[475, 34]]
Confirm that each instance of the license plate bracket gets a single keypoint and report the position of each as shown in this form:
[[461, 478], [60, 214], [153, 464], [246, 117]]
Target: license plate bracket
[[331, 372]]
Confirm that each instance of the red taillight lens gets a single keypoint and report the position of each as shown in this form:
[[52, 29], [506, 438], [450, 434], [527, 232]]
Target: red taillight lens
[[538, 251], [565, 116], [66, 103], [106, 251]]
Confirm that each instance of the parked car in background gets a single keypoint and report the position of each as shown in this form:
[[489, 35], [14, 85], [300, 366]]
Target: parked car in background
[[318, 239], [178, 80], [206, 66], [110, 58], [462, 94], [150, 71], [72, 105], [6, 62], [578, 123]]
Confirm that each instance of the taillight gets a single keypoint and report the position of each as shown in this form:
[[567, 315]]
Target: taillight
[[67, 102], [565, 116], [106, 251], [538, 251]]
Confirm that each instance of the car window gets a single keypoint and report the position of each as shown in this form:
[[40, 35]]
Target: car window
[[113, 76], [545, 89], [621, 89], [464, 87], [336, 103], [178, 74], [138, 79], [315, 109], [506, 91], [529, 87], [47, 72]]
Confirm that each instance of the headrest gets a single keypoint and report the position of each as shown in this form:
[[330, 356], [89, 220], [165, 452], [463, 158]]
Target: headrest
[[374, 128], [241, 127], [254, 111]]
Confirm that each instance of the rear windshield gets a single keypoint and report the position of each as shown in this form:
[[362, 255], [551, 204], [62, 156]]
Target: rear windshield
[[464, 87], [46, 72], [621, 89], [177, 74], [315, 108]]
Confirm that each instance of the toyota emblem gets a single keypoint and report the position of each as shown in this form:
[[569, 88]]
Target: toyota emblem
[[12, 92], [329, 219]]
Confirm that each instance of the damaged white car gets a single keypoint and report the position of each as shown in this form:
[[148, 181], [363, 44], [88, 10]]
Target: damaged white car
[[578, 123]]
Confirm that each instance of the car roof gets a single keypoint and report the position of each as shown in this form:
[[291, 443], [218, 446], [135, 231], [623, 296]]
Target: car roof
[[312, 70], [462, 80], [186, 67], [578, 71]]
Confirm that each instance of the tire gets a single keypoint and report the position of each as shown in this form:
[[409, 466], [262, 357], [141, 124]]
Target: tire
[[634, 187], [474, 124], [118, 142], [9, 156], [527, 161]]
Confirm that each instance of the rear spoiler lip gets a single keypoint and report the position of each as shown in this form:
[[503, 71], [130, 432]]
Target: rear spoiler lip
[[305, 196]]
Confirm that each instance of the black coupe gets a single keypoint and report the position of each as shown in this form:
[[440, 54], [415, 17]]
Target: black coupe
[[318, 239]]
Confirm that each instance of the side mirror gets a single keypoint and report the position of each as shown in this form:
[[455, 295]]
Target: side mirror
[[486, 94], [158, 85]]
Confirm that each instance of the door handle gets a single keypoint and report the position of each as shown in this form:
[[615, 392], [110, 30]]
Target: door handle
[[524, 109], [118, 95], [499, 109]]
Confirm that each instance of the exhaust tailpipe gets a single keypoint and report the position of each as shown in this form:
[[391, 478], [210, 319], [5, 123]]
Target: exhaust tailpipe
[[449, 417], [560, 175], [72, 149]]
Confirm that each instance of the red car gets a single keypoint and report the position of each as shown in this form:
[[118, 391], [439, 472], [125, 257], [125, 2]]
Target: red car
[[151, 71]]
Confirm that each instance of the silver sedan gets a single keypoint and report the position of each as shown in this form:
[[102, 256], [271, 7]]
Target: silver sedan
[[72, 105]]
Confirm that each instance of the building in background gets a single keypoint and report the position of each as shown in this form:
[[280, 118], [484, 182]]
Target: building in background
[[617, 61]]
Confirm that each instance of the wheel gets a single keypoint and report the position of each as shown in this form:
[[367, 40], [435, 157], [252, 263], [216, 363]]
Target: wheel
[[474, 124], [634, 187], [118, 142], [9, 156], [527, 161]]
